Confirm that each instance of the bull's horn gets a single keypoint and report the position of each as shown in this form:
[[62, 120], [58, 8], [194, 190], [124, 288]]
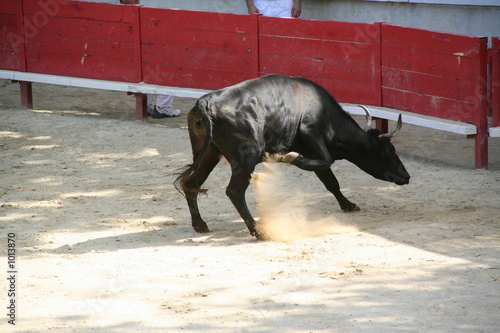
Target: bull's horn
[[394, 131], [368, 125]]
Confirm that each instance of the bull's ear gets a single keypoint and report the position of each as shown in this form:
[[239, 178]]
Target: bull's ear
[[375, 140]]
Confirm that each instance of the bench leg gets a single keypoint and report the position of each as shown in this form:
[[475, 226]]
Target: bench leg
[[382, 124], [481, 149], [141, 106], [26, 94]]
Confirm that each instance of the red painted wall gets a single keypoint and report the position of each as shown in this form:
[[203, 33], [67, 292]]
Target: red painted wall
[[425, 72]]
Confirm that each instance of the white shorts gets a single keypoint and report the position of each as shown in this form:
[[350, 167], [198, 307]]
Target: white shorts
[[276, 8]]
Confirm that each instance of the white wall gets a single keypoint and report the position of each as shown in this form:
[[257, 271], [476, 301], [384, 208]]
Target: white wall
[[473, 20], [465, 20]]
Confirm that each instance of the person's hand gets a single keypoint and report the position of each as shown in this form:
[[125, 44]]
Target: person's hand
[[296, 9], [253, 10]]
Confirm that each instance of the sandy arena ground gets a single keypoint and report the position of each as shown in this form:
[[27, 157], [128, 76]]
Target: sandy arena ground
[[104, 241]]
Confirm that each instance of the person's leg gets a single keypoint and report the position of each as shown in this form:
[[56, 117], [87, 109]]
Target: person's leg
[[164, 107], [151, 107], [164, 101]]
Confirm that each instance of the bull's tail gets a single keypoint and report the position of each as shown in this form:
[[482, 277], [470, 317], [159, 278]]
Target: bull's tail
[[200, 128]]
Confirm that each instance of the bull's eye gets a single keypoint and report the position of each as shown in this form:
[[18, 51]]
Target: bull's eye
[[198, 123]]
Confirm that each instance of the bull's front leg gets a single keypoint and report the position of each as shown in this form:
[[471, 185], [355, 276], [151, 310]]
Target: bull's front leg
[[331, 183], [315, 147], [325, 174], [307, 163]]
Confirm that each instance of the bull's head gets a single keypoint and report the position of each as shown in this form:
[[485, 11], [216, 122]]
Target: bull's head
[[379, 158]]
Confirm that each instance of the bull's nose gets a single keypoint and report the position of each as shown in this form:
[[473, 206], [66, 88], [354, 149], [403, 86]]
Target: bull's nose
[[398, 179], [406, 181]]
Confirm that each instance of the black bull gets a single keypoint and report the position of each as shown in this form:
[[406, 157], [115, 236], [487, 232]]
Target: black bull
[[292, 118]]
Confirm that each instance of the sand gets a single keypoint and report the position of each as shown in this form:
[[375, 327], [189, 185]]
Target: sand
[[104, 243]]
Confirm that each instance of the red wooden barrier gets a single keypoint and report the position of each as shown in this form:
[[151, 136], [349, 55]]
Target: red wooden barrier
[[430, 73], [437, 74], [12, 56], [342, 57], [198, 49], [495, 81], [82, 39]]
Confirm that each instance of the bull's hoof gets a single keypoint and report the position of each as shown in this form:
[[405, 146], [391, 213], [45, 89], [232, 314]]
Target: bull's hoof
[[260, 236], [290, 157], [351, 208], [202, 229]]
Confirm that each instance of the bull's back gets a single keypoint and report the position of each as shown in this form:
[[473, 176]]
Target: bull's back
[[267, 110]]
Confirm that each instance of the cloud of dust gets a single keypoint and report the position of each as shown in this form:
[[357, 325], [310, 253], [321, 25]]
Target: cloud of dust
[[283, 216]]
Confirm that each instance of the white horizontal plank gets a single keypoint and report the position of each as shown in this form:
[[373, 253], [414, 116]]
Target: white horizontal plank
[[495, 132], [166, 90], [415, 119], [103, 84], [379, 112]]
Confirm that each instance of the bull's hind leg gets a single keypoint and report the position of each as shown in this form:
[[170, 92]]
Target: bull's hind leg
[[243, 163], [236, 192], [191, 185]]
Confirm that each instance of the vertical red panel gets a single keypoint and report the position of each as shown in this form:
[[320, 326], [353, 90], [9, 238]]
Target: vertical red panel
[[12, 55], [495, 81], [82, 39], [197, 49]]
